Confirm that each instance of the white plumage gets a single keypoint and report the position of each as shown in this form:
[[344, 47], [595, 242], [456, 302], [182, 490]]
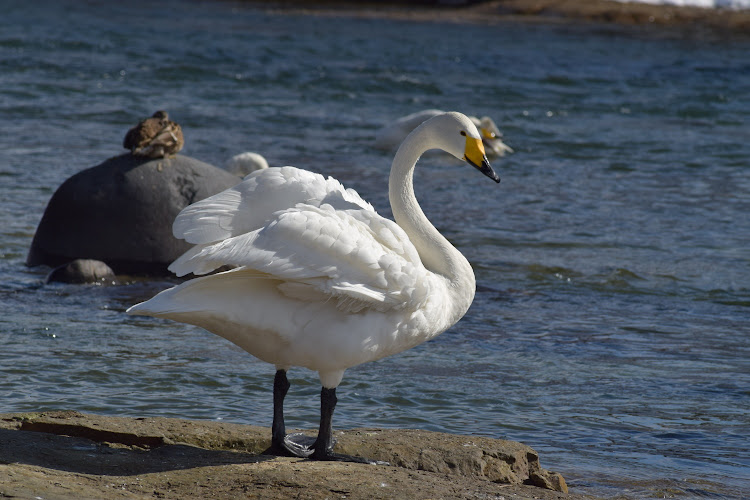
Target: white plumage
[[320, 280], [246, 163], [390, 136]]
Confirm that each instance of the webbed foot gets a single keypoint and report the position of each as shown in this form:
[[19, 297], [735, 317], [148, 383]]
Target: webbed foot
[[297, 445], [303, 446]]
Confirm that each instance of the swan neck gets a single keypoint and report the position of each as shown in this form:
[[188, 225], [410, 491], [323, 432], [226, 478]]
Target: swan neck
[[436, 252]]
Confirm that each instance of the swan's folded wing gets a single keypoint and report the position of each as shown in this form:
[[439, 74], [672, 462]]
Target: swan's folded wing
[[320, 254], [251, 204]]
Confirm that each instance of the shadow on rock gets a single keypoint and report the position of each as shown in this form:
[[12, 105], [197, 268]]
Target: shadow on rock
[[84, 456]]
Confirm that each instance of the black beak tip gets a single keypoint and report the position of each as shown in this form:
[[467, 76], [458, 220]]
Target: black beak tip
[[486, 169]]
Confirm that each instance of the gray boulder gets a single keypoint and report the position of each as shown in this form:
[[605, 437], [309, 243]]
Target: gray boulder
[[121, 213]]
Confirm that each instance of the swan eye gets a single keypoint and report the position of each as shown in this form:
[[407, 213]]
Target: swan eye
[[463, 133]]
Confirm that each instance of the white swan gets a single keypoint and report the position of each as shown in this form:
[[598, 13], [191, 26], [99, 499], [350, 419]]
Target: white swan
[[246, 163], [323, 281], [390, 136]]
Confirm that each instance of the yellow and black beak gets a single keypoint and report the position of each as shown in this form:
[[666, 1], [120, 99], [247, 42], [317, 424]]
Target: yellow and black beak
[[475, 156]]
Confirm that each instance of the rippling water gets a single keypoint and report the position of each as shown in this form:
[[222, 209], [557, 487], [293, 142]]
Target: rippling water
[[611, 326]]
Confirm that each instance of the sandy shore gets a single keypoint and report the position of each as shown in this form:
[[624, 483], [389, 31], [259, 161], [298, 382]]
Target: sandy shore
[[68, 455], [693, 19]]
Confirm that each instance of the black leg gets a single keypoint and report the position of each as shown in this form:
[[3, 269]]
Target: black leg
[[280, 388], [300, 445], [323, 446], [294, 445]]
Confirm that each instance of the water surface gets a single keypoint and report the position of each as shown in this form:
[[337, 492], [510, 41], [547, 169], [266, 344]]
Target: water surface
[[610, 329]]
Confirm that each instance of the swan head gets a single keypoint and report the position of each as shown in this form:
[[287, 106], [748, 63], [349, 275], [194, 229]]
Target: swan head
[[458, 136], [491, 136]]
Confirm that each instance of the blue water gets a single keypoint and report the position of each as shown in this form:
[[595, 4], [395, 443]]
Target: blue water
[[611, 328]]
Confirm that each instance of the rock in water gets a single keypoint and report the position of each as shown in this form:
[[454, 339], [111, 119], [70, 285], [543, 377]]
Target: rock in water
[[82, 271], [121, 213]]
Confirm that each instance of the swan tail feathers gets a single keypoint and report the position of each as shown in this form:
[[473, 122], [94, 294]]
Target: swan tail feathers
[[203, 295]]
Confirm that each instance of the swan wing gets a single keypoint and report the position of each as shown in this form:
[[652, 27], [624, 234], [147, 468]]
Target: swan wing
[[250, 204], [350, 255]]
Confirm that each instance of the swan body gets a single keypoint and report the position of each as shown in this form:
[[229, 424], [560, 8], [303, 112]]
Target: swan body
[[246, 163], [321, 280], [389, 137]]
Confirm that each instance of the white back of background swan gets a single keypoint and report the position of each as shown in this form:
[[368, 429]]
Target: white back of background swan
[[246, 163], [321, 280], [390, 136]]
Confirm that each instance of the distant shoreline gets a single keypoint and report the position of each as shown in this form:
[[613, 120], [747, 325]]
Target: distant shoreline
[[718, 21]]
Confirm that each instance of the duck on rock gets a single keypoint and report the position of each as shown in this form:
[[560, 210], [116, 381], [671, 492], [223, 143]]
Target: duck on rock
[[155, 137]]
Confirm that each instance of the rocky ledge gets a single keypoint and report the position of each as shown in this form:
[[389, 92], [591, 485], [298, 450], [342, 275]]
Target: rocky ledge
[[70, 455]]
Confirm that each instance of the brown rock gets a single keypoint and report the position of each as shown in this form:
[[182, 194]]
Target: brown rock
[[66, 455]]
